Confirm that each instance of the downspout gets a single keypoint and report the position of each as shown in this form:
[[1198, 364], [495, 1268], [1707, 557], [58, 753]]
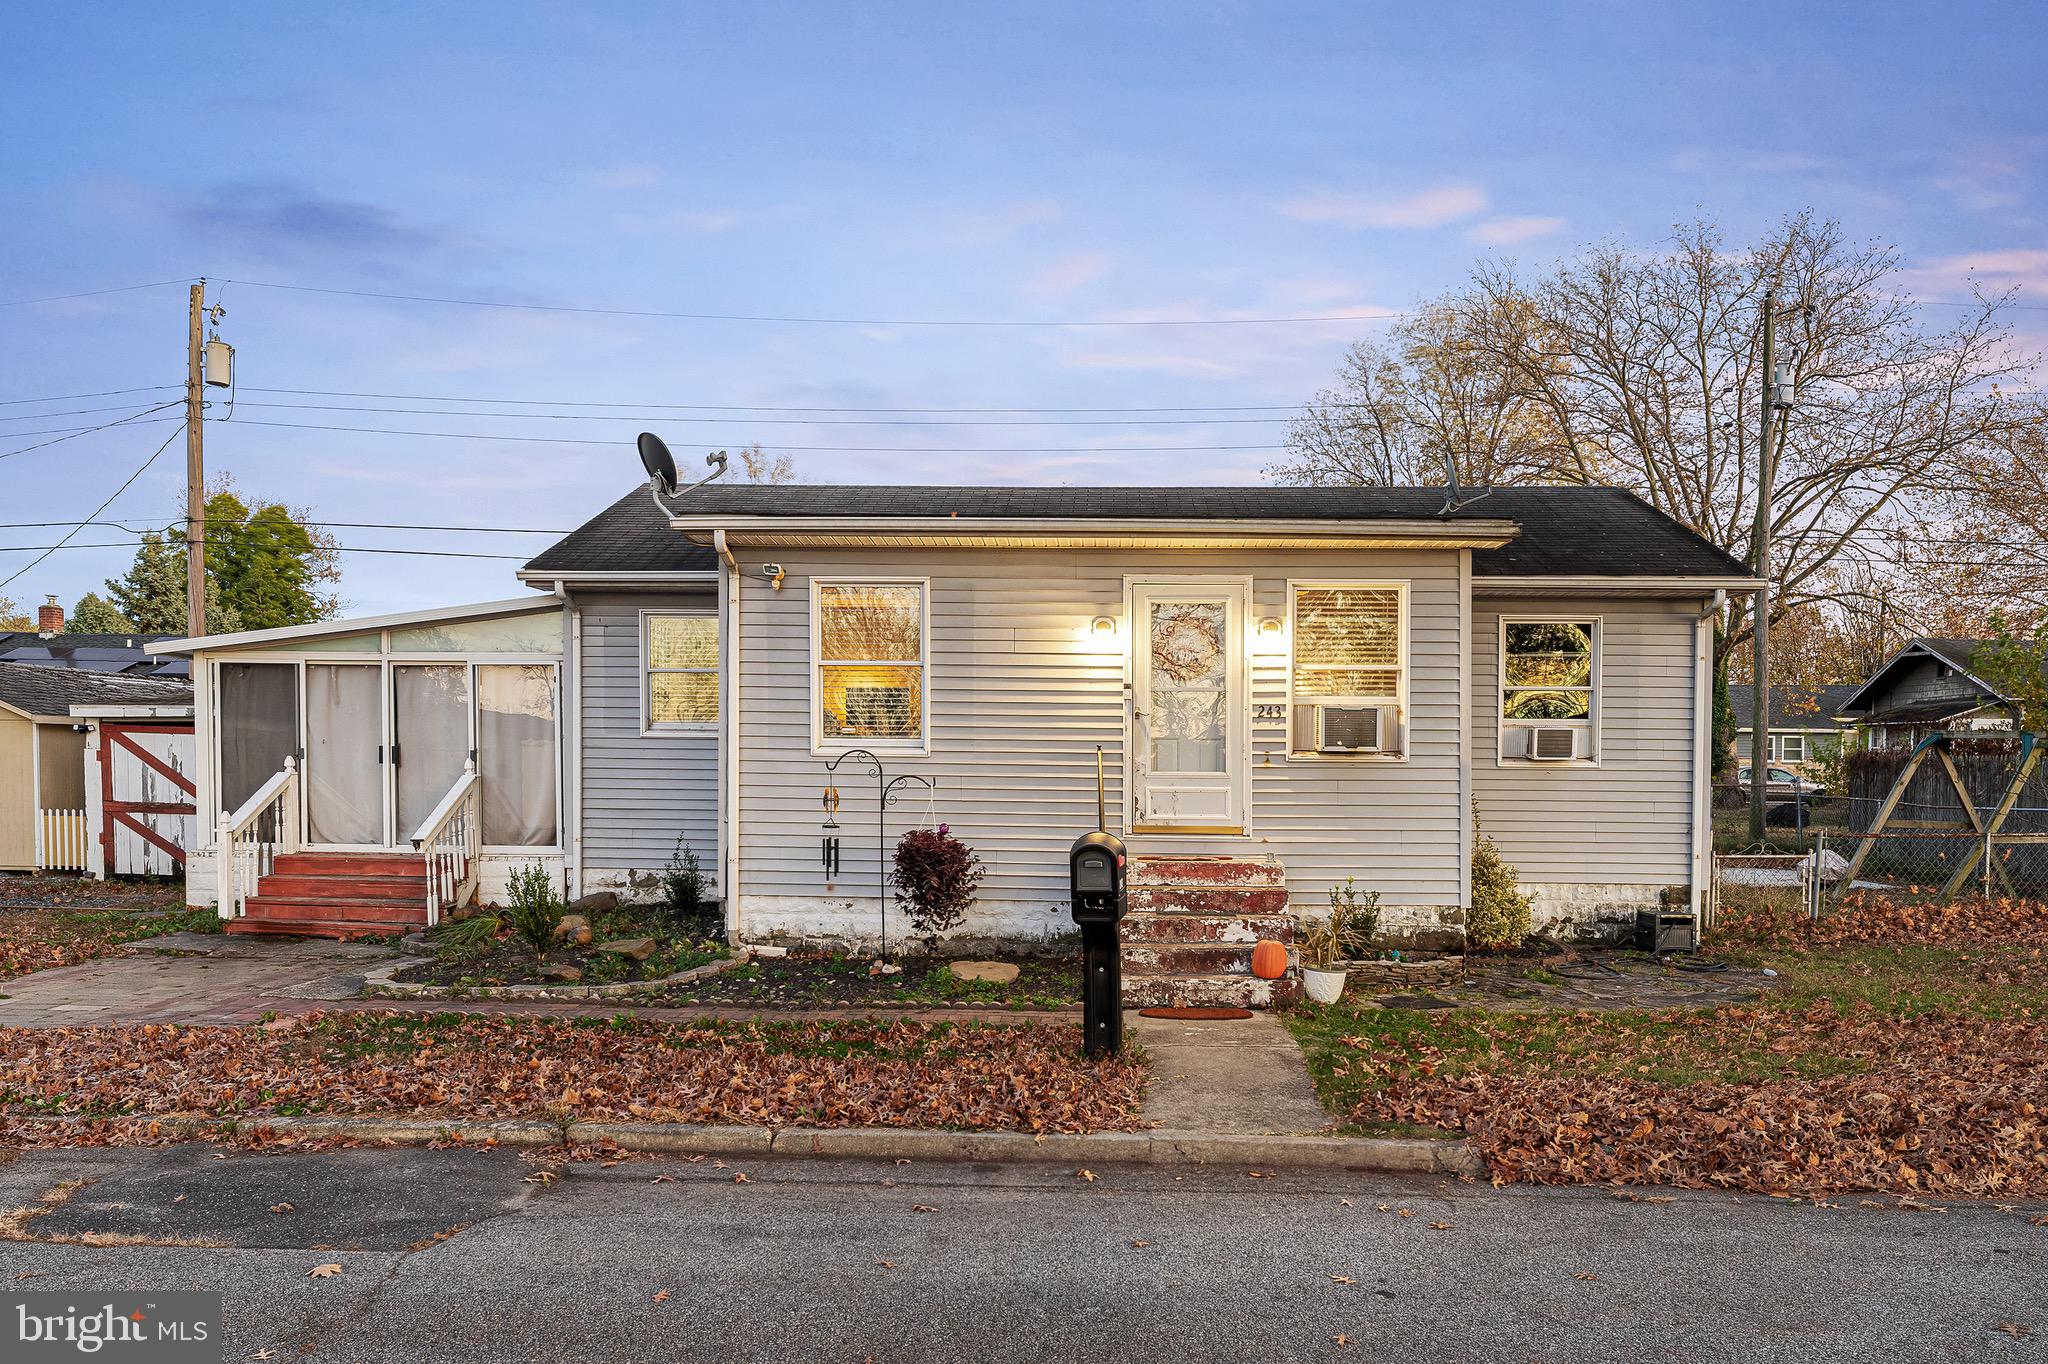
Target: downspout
[[729, 582], [575, 706], [1703, 752]]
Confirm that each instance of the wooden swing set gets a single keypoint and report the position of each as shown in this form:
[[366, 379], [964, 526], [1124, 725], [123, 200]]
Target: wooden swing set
[[1983, 829]]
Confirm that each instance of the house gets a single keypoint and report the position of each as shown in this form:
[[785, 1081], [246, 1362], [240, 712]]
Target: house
[[44, 825], [1801, 720], [50, 645], [1288, 687], [1927, 687]]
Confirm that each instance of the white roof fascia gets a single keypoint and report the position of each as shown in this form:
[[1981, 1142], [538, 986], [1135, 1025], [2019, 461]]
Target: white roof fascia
[[1479, 532], [1675, 585], [104, 710], [511, 606]]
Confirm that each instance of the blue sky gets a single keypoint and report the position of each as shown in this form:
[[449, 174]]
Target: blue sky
[[929, 162]]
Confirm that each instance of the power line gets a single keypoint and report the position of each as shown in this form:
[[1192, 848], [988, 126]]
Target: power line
[[858, 449], [339, 549], [757, 421], [74, 433], [742, 407], [90, 516], [95, 293], [1376, 316], [103, 393], [72, 412]]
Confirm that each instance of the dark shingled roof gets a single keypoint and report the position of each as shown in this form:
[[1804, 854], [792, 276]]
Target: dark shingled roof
[[53, 691], [1597, 532], [1795, 707]]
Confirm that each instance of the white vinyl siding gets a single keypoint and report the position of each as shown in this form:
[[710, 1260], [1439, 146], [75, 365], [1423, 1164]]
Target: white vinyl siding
[[1020, 692], [638, 790], [1628, 820]]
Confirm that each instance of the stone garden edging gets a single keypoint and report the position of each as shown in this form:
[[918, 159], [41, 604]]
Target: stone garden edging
[[1163, 1146], [380, 983]]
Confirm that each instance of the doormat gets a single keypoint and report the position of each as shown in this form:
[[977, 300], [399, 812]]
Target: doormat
[[1193, 1014]]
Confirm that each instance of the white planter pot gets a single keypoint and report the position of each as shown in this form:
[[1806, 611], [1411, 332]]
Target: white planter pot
[[1323, 985]]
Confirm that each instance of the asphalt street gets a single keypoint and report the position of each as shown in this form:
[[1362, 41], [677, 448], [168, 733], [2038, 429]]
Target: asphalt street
[[468, 1256]]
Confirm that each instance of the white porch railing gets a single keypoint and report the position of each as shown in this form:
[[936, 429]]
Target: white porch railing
[[60, 840], [451, 840], [251, 839]]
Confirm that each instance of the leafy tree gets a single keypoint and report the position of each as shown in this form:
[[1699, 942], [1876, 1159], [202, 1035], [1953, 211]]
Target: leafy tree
[[12, 617], [2015, 664], [95, 615], [265, 568]]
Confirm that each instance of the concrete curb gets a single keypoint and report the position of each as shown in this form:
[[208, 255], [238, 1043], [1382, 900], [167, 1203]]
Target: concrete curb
[[1394, 1155], [378, 984]]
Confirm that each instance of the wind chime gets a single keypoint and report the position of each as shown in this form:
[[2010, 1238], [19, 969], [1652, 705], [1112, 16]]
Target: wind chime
[[830, 843]]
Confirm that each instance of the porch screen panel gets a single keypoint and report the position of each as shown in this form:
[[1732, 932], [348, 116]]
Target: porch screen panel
[[431, 707], [516, 746], [344, 780], [259, 727]]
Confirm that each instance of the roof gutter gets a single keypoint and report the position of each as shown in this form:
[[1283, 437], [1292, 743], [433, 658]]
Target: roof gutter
[[1491, 533]]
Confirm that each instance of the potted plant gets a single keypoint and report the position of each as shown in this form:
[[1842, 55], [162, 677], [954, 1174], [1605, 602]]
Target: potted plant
[[1322, 945]]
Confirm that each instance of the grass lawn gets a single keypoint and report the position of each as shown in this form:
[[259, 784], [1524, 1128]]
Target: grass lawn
[[467, 1068], [1906, 1051]]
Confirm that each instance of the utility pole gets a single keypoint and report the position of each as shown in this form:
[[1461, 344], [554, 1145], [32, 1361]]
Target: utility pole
[[1766, 474], [195, 469]]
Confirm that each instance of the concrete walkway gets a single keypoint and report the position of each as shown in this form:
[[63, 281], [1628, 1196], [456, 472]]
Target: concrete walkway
[[1233, 1076], [191, 978]]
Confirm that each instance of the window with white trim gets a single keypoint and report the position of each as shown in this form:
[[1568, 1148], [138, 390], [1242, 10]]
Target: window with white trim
[[680, 651], [868, 662], [1349, 659], [1788, 748], [1549, 680]]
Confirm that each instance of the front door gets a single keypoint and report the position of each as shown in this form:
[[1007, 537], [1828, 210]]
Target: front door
[[345, 743], [1189, 746]]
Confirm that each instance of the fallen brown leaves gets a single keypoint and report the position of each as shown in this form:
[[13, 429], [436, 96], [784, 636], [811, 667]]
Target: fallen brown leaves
[[1868, 919], [1938, 1105], [39, 939], [825, 1074]]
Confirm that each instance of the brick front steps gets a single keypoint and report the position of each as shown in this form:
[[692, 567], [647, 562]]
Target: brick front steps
[[338, 895], [1193, 923]]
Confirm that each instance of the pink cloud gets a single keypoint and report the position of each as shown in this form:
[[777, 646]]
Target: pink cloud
[[1428, 208], [1513, 231]]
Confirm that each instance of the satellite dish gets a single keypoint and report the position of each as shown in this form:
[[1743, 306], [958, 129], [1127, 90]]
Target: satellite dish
[[661, 465]]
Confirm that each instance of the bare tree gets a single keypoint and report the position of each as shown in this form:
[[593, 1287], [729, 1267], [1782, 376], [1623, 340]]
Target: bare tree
[[758, 466], [1641, 369]]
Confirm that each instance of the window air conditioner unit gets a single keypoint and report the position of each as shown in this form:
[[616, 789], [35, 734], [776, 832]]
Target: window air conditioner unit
[[1552, 745], [1350, 729]]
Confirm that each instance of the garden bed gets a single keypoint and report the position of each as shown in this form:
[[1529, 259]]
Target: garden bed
[[1027, 1077], [469, 955], [1900, 1053], [830, 979], [1378, 976]]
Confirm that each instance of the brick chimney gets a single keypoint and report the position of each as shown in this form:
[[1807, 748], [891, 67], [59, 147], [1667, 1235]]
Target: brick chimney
[[49, 617]]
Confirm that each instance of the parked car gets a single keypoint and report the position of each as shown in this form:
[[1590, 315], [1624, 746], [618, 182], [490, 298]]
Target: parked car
[[1785, 784]]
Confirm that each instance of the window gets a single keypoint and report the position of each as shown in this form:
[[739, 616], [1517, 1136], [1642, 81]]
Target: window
[[868, 656], [1549, 679], [1349, 652], [681, 652], [1788, 748]]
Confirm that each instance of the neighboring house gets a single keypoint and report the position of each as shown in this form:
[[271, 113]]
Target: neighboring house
[[50, 646], [1928, 687], [43, 798], [1289, 687], [1800, 719]]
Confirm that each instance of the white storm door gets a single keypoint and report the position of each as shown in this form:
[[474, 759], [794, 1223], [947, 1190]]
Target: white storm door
[[1189, 736]]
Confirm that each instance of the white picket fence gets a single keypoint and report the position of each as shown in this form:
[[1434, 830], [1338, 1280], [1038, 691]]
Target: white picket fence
[[61, 840]]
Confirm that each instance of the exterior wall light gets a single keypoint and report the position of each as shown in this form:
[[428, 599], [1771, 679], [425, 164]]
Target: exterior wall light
[[1270, 628], [1103, 629]]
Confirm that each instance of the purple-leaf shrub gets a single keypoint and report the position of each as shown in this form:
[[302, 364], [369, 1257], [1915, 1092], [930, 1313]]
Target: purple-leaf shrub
[[936, 877]]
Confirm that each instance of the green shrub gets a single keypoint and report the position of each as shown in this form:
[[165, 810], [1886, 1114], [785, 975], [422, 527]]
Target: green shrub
[[1500, 907], [533, 909], [682, 882]]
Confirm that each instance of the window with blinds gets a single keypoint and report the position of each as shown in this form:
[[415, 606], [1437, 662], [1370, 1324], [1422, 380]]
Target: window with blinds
[[868, 661], [682, 670], [1349, 650]]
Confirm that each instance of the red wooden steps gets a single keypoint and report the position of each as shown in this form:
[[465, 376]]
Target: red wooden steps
[[337, 895]]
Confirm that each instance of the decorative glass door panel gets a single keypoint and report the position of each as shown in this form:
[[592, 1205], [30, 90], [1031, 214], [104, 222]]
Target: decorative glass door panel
[[344, 779], [1188, 688], [429, 736]]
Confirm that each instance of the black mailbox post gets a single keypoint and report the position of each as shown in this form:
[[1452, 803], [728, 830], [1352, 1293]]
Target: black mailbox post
[[1096, 875]]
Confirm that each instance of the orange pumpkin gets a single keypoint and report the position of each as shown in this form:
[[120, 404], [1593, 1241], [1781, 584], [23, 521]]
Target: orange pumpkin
[[1269, 960]]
